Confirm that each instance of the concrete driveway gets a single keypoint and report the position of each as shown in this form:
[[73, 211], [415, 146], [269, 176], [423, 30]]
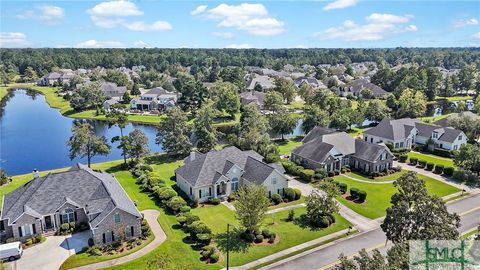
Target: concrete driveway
[[50, 254]]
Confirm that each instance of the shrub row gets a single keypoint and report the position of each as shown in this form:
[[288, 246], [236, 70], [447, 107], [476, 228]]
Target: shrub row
[[357, 194]]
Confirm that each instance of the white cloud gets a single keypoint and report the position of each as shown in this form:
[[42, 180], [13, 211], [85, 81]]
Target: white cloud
[[378, 27], [224, 35], [466, 22], [113, 13], [119, 8], [239, 46], [100, 44], [46, 13], [339, 4], [13, 39], [251, 18], [476, 35], [198, 10], [156, 26]]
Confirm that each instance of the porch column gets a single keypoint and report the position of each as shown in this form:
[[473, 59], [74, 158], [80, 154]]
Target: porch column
[[229, 188], [215, 191]]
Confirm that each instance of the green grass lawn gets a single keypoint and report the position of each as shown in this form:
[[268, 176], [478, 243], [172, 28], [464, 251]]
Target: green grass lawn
[[455, 98], [356, 131], [281, 205], [296, 105], [285, 147], [386, 178], [3, 91], [429, 119], [447, 162], [290, 233], [378, 195]]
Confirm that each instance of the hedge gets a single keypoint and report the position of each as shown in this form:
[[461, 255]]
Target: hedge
[[402, 158], [342, 187], [298, 193], [438, 169], [430, 166], [362, 195], [442, 152], [289, 194], [354, 192], [307, 175], [276, 198], [413, 161], [422, 163], [448, 171]]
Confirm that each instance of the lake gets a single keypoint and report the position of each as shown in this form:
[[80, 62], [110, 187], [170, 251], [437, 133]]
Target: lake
[[33, 135]]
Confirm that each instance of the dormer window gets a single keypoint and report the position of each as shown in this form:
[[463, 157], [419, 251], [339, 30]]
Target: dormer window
[[435, 135]]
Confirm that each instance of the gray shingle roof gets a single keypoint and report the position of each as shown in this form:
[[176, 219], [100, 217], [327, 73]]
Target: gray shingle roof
[[317, 132], [252, 96], [444, 121], [393, 129], [314, 150], [256, 171], [204, 169], [80, 186]]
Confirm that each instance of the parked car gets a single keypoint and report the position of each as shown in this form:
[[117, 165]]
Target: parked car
[[11, 251]]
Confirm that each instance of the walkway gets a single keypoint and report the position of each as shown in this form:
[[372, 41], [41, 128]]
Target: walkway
[[151, 217]]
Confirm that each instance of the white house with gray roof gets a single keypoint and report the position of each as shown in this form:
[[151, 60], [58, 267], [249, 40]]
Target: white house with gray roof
[[403, 133], [331, 149], [216, 174], [155, 99], [79, 195]]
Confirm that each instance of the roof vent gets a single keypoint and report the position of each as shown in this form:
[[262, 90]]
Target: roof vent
[[35, 173]]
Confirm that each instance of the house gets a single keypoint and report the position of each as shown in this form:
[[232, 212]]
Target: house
[[403, 133], [444, 121], [155, 99], [331, 149], [310, 81], [79, 195], [262, 81], [56, 77], [112, 90], [358, 87], [107, 104], [253, 96], [216, 174]]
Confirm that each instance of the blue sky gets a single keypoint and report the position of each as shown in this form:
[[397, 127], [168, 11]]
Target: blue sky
[[240, 24]]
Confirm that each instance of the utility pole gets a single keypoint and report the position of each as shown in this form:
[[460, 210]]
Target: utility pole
[[228, 243]]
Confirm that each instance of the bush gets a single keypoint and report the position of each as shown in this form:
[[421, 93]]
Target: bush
[[448, 171], [90, 242], [40, 239], [214, 258], [276, 198], [289, 194], [266, 233], [307, 175], [320, 173], [413, 161], [231, 197], [249, 237], [272, 158], [330, 174], [398, 168], [442, 152], [430, 166], [336, 172], [259, 238], [166, 193], [291, 215], [422, 163], [94, 251], [354, 192], [342, 187], [466, 176], [207, 251], [271, 239], [214, 201], [204, 238], [185, 209], [29, 242], [402, 158], [175, 203], [198, 227], [298, 193], [438, 169], [362, 195], [324, 222]]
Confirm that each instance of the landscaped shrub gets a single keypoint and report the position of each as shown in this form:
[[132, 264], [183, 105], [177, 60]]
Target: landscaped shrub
[[231, 197], [422, 163], [320, 173], [204, 238], [307, 175], [90, 242], [324, 222], [331, 174], [94, 251], [187, 218], [297, 170], [336, 172], [430, 166], [287, 165], [438, 169], [249, 237], [40, 238], [198, 227], [342, 187], [271, 239], [442, 152], [185, 209], [259, 238], [289, 194], [448, 171], [166, 193], [29, 242], [291, 215], [354, 192], [413, 161], [298, 193], [362, 195], [402, 158], [214, 201], [214, 258], [466, 176], [207, 251], [276, 198], [398, 168], [266, 233], [175, 203]]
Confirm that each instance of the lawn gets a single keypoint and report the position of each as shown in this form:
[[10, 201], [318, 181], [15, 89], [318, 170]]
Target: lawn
[[429, 119], [285, 147], [356, 131], [447, 162], [3, 91], [378, 195], [290, 233], [296, 105], [285, 204], [386, 178], [455, 98]]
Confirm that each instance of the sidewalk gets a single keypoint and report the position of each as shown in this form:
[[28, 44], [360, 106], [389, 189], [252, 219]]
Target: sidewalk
[[151, 217]]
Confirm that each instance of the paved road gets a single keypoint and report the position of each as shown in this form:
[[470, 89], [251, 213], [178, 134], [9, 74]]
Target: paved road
[[324, 257], [151, 217]]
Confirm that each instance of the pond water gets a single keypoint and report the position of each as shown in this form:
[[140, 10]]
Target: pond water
[[33, 135]]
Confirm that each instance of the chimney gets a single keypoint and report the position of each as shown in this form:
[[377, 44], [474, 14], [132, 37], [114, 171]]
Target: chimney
[[35, 173], [192, 156]]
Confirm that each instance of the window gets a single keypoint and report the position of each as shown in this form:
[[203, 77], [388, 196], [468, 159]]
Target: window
[[117, 218], [27, 230], [366, 138], [371, 140], [67, 216], [401, 144], [455, 147], [235, 184], [190, 190], [107, 237], [460, 137], [129, 231]]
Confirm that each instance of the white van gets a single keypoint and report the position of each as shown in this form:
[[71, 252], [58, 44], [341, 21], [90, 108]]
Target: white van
[[11, 251]]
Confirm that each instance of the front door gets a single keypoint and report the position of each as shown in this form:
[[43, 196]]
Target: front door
[[48, 222]]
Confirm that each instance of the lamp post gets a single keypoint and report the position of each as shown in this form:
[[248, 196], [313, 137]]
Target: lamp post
[[228, 244]]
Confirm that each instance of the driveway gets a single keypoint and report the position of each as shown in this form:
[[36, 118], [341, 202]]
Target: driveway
[[52, 253]]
